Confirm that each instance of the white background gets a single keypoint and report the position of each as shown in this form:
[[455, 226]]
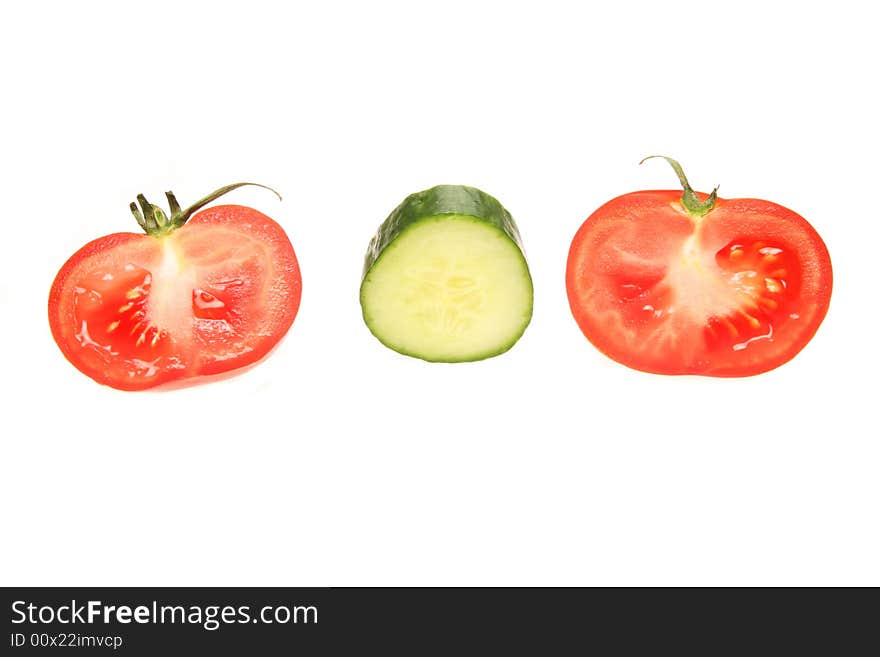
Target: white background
[[338, 461]]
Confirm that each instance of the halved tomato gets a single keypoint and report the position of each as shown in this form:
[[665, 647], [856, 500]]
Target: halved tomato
[[689, 283], [192, 297]]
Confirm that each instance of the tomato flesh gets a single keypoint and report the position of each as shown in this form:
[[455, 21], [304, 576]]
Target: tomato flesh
[[110, 311], [734, 293], [135, 311]]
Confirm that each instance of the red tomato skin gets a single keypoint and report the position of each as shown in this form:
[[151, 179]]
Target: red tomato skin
[[652, 214], [286, 292]]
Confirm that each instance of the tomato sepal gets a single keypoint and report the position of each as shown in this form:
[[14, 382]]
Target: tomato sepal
[[155, 222]]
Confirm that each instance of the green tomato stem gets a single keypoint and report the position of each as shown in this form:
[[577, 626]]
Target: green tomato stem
[[155, 222], [689, 198]]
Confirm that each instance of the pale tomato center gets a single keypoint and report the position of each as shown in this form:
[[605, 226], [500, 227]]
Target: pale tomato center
[[168, 305]]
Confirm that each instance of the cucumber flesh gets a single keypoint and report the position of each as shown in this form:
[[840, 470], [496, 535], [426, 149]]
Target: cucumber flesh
[[449, 288]]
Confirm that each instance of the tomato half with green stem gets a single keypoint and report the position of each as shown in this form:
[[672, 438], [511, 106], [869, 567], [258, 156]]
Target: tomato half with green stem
[[199, 294], [690, 283]]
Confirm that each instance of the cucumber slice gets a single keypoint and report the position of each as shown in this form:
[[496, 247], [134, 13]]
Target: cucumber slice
[[445, 278]]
